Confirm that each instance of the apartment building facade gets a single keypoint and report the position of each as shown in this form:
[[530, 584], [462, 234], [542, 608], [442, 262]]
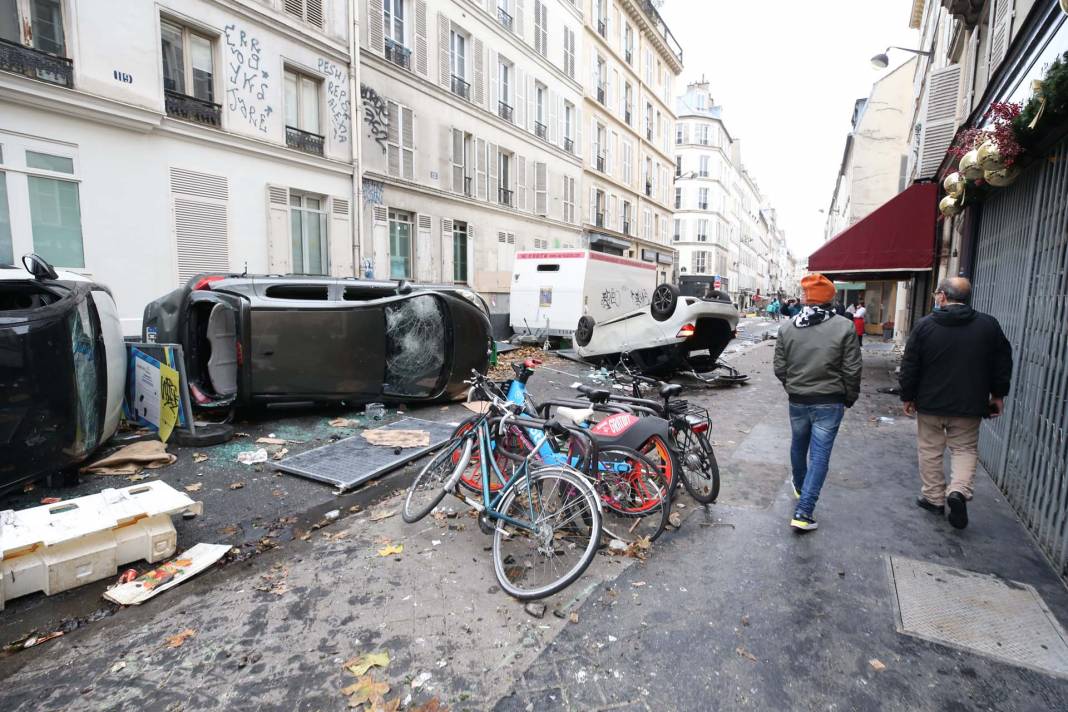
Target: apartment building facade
[[471, 136], [629, 64], [143, 143]]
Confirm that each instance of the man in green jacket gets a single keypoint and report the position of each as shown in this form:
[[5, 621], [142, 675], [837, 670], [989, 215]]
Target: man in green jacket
[[817, 358]]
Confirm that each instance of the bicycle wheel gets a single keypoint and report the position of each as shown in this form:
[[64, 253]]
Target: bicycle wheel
[[635, 497], [700, 471], [564, 520], [432, 483], [471, 477]]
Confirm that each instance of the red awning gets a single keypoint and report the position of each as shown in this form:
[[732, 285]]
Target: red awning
[[898, 237]]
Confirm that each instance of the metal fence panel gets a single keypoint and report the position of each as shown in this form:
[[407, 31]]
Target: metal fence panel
[[1021, 278]]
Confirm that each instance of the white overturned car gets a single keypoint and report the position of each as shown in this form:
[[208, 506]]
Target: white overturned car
[[672, 332]]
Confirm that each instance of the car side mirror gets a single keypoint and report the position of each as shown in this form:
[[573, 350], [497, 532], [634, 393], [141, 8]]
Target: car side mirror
[[403, 287], [38, 267]]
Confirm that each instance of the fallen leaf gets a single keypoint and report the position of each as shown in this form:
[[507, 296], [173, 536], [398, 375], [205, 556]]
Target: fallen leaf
[[229, 530], [44, 638], [177, 640], [194, 487], [877, 664], [199, 457], [236, 485], [393, 705], [359, 665], [431, 705], [366, 691], [391, 550], [271, 441], [382, 514], [745, 654], [573, 617]]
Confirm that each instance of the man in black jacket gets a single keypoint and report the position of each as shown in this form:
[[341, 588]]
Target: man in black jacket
[[956, 371]]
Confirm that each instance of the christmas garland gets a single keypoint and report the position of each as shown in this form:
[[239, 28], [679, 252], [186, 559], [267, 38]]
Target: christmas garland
[[990, 157]]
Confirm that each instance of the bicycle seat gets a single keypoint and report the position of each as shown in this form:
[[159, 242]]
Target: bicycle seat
[[596, 395], [578, 416], [670, 390]]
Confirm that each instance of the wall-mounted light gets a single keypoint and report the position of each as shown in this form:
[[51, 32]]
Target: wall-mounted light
[[882, 60]]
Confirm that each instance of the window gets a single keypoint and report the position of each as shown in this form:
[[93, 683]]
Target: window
[[503, 14], [701, 102], [400, 140], [504, 88], [569, 126], [34, 23], [7, 253], [541, 28], [569, 199], [678, 230], [628, 43], [569, 52], [702, 230], [700, 262], [504, 178], [55, 209], [458, 54], [600, 143], [400, 244], [626, 218], [307, 231], [310, 11], [702, 134], [602, 81], [598, 208], [462, 147], [459, 251], [602, 17], [678, 166], [540, 120], [647, 224], [678, 198], [302, 112], [628, 103], [649, 176], [649, 122], [704, 166], [702, 199], [628, 150], [394, 21], [188, 66]]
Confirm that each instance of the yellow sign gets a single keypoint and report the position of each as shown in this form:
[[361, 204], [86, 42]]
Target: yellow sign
[[169, 400]]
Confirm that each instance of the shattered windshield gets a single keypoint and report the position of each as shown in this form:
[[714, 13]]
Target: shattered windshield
[[415, 346]]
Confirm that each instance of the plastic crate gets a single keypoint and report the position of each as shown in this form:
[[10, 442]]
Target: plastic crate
[[56, 547]]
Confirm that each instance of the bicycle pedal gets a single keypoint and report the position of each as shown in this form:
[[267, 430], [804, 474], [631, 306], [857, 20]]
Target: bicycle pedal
[[485, 524]]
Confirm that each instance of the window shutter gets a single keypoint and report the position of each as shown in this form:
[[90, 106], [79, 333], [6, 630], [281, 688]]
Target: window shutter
[[521, 116], [279, 256], [541, 188], [408, 145], [421, 48], [578, 131], [556, 113], [424, 251], [199, 203], [380, 240], [1001, 36], [480, 164], [531, 112], [593, 206], [444, 50], [940, 118], [478, 78], [376, 32], [458, 161], [447, 268], [521, 191], [494, 82], [339, 239], [519, 21], [494, 186], [393, 157]]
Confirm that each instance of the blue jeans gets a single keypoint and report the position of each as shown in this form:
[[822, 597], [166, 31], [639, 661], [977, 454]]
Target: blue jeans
[[814, 429]]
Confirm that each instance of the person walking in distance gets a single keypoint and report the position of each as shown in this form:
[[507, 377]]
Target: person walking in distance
[[956, 370], [858, 321], [818, 361]]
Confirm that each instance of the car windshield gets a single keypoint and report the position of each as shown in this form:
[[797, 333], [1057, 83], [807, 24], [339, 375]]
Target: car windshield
[[415, 346]]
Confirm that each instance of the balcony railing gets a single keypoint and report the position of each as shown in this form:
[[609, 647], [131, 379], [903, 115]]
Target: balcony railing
[[601, 93], [649, 188], [626, 116], [628, 55], [504, 111], [569, 145], [601, 162], [35, 64], [505, 19], [304, 140], [460, 87], [599, 219], [649, 133], [702, 206], [626, 227], [398, 54], [504, 196], [661, 28], [467, 186], [190, 108], [540, 129]]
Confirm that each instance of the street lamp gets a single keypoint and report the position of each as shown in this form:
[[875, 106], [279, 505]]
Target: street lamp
[[882, 60]]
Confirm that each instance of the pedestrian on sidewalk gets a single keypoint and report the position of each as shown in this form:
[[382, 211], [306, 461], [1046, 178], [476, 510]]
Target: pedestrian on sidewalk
[[818, 360], [858, 321], [956, 371]]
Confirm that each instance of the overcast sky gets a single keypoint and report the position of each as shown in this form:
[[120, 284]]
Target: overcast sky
[[787, 74]]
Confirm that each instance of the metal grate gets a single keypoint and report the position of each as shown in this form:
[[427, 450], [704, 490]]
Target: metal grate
[[352, 461], [983, 613], [1023, 241]]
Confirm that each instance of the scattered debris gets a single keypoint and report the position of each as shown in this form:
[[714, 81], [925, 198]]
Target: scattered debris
[[178, 640], [359, 665], [332, 515], [573, 617], [195, 487], [199, 457], [366, 691], [345, 423], [420, 680], [271, 441], [252, 457], [675, 519], [618, 545], [638, 584], [745, 620], [121, 665], [169, 575], [431, 705], [131, 459], [278, 455], [877, 665], [274, 581], [746, 654], [397, 438], [535, 609], [32, 640], [126, 577], [382, 514], [391, 550], [51, 500], [236, 485]]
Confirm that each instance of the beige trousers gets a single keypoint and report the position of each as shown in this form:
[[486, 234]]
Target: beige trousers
[[934, 433]]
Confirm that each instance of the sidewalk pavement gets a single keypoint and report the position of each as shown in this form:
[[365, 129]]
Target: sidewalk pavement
[[730, 612]]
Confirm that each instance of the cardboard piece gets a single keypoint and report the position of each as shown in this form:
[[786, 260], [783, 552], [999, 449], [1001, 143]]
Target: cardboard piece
[[169, 575], [397, 438]]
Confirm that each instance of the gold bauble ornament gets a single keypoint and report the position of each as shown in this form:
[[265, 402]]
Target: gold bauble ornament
[[969, 165], [1002, 178], [1064, 6], [949, 206], [989, 157], [954, 184]]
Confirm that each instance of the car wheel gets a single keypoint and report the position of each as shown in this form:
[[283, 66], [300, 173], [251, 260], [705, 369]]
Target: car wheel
[[665, 298], [207, 434], [584, 330]]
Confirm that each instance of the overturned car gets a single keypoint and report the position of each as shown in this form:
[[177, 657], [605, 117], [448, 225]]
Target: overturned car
[[252, 340], [62, 370]]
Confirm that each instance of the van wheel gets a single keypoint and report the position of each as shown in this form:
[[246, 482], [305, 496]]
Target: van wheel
[[584, 330], [665, 298]]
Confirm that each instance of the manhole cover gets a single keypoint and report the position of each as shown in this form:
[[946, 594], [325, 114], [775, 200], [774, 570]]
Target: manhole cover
[[977, 612]]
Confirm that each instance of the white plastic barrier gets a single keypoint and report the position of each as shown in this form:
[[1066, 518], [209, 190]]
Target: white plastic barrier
[[59, 546]]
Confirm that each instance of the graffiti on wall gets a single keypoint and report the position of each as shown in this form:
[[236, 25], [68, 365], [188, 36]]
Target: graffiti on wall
[[337, 98], [247, 82], [375, 115], [639, 296], [372, 192], [610, 299]]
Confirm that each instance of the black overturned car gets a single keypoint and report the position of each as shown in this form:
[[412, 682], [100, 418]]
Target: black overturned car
[[258, 340]]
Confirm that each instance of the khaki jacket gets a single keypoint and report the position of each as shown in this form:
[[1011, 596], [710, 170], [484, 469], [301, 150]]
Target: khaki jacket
[[817, 363]]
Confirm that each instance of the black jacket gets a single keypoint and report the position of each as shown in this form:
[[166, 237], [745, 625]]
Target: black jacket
[[955, 360]]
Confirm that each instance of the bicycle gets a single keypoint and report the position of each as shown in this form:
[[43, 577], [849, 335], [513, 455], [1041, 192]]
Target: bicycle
[[545, 521]]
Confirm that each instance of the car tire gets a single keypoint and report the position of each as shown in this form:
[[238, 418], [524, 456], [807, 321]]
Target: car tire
[[206, 434], [665, 299], [584, 330]]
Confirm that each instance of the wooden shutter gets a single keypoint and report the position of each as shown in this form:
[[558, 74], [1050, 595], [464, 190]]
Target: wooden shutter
[[380, 240], [494, 82], [421, 48], [424, 251], [444, 52], [393, 149], [940, 118], [1001, 34], [279, 254], [521, 190], [610, 212], [408, 143], [541, 188], [555, 114], [491, 159], [376, 33], [199, 203], [480, 169], [447, 267], [458, 161], [339, 238], [532, 112], [478, 79], [519, 22], [521, 115]]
